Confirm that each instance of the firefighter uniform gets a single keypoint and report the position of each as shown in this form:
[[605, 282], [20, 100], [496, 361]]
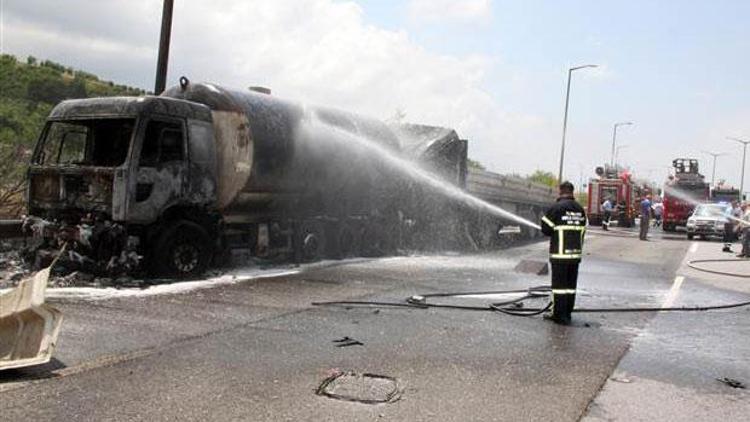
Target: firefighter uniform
[[565, 223]]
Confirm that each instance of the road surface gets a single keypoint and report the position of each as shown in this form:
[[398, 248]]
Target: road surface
[[255, 348]]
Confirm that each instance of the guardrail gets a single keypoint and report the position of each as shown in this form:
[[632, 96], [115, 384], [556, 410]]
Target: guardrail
[[496, 188]]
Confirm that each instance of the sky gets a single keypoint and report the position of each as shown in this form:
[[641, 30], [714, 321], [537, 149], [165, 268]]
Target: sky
[[495, 71]]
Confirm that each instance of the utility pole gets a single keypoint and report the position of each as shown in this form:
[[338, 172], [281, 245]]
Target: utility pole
[[166, 31], [713, 168], [565, 119], [617, 152], [744, 154], [614, 139]]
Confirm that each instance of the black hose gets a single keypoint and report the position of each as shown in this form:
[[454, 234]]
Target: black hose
[[692, 265], [515, 307]]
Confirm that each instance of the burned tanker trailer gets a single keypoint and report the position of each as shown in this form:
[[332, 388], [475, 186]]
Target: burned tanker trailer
[[176, 182]]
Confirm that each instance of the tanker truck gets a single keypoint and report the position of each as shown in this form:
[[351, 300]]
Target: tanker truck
[[173, 183]]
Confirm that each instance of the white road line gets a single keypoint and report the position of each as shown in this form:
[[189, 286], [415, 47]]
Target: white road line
[[694, 247], [673, 292]]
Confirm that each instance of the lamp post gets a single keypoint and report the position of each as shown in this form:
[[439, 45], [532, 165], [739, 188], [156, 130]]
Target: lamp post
[[614, 138], [744, 154], [713, 167], [163, 58], [565, 118], [617, 152]]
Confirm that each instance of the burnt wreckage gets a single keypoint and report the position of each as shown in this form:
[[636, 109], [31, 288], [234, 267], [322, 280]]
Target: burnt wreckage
[[176, 182]]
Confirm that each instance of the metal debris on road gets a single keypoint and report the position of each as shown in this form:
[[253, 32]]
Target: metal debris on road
[[348, 341], [732, 382]]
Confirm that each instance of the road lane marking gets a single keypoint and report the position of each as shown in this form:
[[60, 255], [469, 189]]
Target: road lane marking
[[673, 292], [694, 247]]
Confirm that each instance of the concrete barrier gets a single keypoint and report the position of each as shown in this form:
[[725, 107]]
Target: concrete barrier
[[28, 327]]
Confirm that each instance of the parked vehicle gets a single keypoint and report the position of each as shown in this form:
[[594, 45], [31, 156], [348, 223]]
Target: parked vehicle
[[682, 192], [708, 220], [619, 189]]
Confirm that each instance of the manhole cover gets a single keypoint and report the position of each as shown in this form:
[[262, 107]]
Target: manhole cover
[[362, 388]]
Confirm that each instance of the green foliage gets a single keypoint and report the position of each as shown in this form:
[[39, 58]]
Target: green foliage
[[544, 177], [28, 91], [475, 164]]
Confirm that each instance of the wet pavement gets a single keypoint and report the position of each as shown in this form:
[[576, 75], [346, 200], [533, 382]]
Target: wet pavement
[[255, 348], [682, 365]]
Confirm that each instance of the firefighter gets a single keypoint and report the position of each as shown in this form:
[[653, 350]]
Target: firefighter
[[565, 223], [607, 208]]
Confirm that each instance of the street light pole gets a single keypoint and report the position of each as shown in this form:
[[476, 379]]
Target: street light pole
[[565, 119], [713, 169], [614, 139], [166, 31], [744, 154], [617, 152]]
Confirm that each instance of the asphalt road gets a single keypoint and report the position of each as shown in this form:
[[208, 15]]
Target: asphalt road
[[258, 350]]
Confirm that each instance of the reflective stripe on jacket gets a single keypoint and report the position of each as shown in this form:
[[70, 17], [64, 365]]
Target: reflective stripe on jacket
[[565, 223]]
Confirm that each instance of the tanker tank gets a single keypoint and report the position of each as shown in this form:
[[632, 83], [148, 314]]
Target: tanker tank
[[269, 159]]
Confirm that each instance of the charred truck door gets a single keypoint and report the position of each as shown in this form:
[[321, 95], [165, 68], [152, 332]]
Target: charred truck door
[[161, 169]]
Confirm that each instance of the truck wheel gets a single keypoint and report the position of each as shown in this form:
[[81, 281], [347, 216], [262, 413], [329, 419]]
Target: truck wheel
[[690, 236], [347, 240], [183, 249], [312, 240], [377, 240]]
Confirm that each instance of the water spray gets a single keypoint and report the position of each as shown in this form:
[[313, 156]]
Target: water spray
[[412, 170]]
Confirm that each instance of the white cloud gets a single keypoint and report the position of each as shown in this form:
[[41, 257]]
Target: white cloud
[[449, 10], [319, 51]]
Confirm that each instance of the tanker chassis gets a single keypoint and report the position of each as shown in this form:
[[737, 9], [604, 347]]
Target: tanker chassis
[[172, 183]]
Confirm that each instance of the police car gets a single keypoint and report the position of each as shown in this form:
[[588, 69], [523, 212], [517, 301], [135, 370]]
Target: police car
[[708, 220]]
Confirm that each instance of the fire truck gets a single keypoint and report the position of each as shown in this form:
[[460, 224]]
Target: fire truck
[[619, 189], [682, 192], [722, 193]]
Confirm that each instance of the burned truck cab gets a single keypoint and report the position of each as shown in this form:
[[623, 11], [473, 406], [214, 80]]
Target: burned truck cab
[[112, 168]]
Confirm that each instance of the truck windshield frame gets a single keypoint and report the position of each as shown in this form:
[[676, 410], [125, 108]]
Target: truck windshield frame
[[93, 142]]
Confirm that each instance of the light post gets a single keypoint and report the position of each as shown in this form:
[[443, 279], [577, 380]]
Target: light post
[[713, 168], [565, 118], [617, 152], [744, 154], [163, 58], [614, 138]]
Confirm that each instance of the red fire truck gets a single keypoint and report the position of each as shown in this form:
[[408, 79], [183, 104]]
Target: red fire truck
[[619, 189], [682, 192]]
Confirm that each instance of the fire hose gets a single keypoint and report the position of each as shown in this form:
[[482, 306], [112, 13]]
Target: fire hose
[[694, 265], [514, 307]]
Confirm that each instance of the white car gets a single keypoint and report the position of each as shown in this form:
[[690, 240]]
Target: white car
[[708, 220]]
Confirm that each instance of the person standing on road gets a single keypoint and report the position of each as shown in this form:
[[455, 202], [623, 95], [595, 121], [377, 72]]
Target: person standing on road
[[565, 224], [744, 226], [658, 211], [607, 208], [645, 217]]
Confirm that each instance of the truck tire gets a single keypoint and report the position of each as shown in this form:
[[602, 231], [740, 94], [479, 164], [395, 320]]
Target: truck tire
[[347, 240], [377, 240], [183, 249], [690, 236]]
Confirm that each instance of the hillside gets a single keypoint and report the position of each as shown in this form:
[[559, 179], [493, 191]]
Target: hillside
[[28, 91]]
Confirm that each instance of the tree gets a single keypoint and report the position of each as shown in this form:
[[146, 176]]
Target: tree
[[544, 177], [475, 164]]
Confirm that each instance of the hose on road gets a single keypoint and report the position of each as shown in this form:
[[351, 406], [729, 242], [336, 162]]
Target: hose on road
[[694, 265], [516, 306]]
